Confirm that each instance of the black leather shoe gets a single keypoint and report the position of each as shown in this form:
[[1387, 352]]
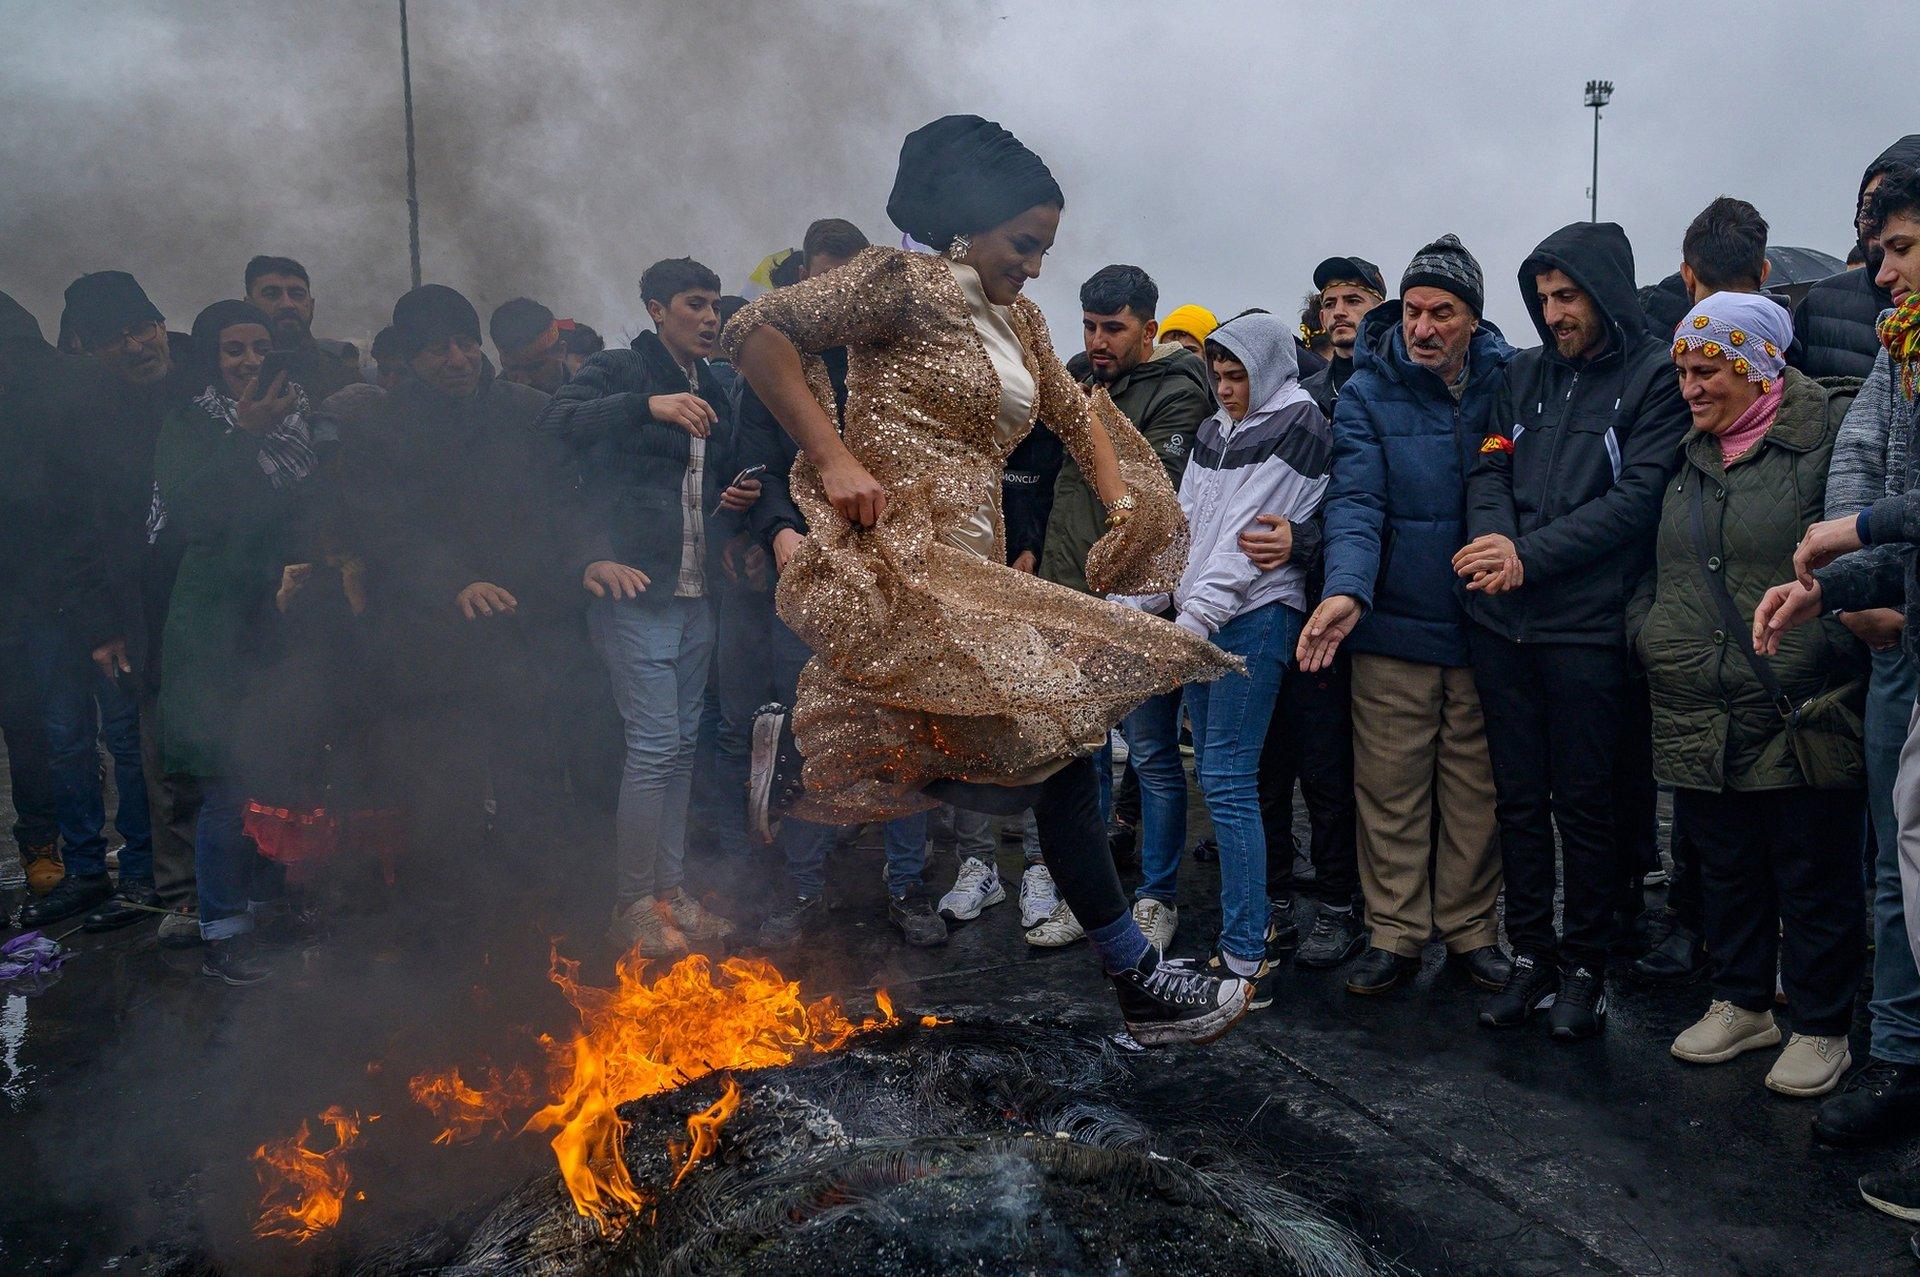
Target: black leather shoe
[[1880, 1104], [1378, 970], [73, 896], [1675, 958], [1283, 933], [1486, 966], [128, 905]]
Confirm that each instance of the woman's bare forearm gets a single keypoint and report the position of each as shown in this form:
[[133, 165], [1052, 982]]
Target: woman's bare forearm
[[1106, 463], [771, 365]]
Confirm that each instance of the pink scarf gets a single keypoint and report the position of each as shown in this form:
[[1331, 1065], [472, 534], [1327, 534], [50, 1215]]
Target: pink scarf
[[1752, 425]]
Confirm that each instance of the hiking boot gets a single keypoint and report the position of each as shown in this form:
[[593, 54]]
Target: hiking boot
[[44, 867], [1157, 921], [1675, 955], [1879, 1105], [1486, 966], [1378, 970], [773, 775], [1259, 984], [647, 927], [695, 920], [789, 924], [73, 895], [235, 961], [1724, 1032], [976, 888], [1038, 896], [1532, 986], [1581, 1009], [131, 903], [1059, 930], [913, 913], [1337, 937], [1811, 1065], [1283, 933], [180, 929], [1895, 1192], [1161, 1002]]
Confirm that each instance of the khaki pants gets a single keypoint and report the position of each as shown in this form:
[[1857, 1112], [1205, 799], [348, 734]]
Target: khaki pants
[[1420, 749]]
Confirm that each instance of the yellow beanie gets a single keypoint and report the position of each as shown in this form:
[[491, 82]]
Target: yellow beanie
[[1197, 320]]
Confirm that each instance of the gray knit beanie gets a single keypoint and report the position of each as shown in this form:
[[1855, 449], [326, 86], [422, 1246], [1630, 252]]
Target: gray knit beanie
[[1447, 264]]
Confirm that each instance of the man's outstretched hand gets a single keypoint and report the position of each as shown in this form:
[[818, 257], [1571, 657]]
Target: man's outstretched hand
[[1782, 608], [1325, 630]]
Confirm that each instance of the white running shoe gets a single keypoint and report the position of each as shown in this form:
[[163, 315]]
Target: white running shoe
[[1038, 897], [1059, 930], [1157, 920], [977, 887]]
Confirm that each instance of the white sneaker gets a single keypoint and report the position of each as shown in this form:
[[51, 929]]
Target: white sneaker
[[1724, 1032], [976, 887], [1157, 920], [1059, 930], [1809, 1066], [1038, 898]]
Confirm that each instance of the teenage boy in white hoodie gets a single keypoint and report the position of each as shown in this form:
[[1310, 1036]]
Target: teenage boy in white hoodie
[[1266, 451]]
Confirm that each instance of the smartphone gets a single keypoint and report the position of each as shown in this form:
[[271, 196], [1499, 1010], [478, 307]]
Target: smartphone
[[276, 362], [751, 472]]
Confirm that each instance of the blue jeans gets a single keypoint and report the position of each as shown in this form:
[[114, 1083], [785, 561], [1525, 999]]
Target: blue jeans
[[803, 845], [656, 653], [1894, 1012], [1153, 747], [234, 879], [1230, 719], [84, 707], [906, 843]]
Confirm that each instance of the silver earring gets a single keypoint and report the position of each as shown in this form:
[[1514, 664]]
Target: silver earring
[[960, 247]]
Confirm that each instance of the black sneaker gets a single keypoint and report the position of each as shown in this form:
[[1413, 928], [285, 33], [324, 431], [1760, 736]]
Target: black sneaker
[[1283, 933], [1488, 966], [1532, 986], [1337, 937], [1378, 971], [1259, 984], [236, 961], [130, 903], [1880, 1104], [73, 895], [1895, 1192], [1675, 955], [1581, 1009], [788, 924], [914, 914], [773, 777], [1164, 1002]]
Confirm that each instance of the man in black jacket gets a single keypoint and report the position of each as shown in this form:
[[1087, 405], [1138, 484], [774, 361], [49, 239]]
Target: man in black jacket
[[1561, 511], [650, 438], [279, 286], [1349, 287], [1834, 325]]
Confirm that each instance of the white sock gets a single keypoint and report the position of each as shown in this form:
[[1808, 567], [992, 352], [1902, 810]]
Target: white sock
[[1241, 966]]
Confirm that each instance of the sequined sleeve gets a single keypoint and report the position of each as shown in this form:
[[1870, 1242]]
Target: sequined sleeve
[[861, 304], [1147, 554]]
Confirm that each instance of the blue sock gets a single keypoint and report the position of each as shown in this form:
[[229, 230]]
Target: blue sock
[[1120, 943]]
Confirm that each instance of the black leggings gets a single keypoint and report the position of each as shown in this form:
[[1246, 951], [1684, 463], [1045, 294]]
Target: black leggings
[[1073, 837]]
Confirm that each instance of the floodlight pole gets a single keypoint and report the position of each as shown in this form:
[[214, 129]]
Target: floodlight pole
[[413, 192], [1599, 93]]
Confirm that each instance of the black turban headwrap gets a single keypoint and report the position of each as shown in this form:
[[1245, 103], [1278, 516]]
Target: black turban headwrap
[[207, 327], [961, 175], [430, 313]]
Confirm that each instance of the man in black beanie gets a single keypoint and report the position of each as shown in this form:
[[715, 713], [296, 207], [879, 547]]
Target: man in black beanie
[[478, 563]]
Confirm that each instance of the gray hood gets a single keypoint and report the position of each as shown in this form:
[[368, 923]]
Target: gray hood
[[1264, 343]]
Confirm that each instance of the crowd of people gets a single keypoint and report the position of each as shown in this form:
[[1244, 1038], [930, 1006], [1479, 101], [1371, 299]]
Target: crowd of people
[[862, 550]]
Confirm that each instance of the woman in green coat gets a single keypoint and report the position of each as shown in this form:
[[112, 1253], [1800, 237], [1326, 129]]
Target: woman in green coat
[[1764, 753], [226, 471]]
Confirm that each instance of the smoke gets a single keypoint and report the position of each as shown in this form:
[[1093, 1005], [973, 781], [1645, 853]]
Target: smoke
[[559, 150]]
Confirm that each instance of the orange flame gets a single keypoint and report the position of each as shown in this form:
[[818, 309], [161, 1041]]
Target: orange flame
[[704, 1129], [302, 1189], [469, 1110], [639, 1039]]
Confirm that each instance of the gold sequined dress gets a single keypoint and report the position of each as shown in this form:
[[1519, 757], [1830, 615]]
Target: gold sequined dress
[[932, 658]]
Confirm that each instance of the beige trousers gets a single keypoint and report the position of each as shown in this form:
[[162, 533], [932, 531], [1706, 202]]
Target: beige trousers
[[1420, 751]]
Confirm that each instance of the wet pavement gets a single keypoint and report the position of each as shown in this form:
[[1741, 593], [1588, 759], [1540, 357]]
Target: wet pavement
[[132, 1090]]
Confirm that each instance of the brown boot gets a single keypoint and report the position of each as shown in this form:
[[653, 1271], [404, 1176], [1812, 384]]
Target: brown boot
[[45, 869]]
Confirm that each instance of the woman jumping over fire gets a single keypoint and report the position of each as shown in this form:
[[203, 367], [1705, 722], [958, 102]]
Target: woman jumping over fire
[[940, 674]]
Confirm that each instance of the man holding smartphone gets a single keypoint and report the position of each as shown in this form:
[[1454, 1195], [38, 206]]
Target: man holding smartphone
[[653, 446]]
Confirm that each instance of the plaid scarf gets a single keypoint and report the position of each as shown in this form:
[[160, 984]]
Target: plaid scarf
[[1900, 334]]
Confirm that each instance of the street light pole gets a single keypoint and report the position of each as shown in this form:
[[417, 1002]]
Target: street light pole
[[1599, 93], [413, 193]]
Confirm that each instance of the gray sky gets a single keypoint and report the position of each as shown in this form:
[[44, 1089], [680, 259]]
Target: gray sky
[[1225, 146]]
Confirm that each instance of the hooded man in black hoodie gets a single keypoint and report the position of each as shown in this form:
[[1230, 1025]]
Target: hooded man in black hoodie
[[1561, 511], [1834, 325]]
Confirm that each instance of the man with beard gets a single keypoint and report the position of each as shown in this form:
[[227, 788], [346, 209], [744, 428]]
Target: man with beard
[[528, 338], [1834, 323], [1561, 511], [1349, 288], [278, 286], [1405, 432]]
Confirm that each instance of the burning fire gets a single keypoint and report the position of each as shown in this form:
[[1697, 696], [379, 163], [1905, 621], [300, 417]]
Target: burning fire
[[467, 1110], [302, 1189], [704, 1129], [639, 1039]]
